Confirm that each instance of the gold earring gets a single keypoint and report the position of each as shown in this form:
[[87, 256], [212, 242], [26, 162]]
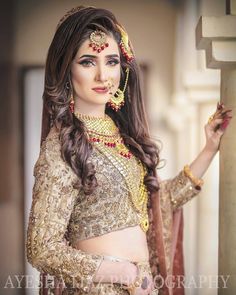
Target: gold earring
[[118, 99], [72, 103]]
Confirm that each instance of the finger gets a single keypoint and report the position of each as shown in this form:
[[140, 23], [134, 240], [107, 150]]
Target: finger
[[215, 124], [224, 113], [219, 113], [220, 105], [221, 129]]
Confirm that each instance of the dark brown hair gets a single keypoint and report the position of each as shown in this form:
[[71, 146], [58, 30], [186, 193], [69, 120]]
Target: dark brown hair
[[131, 120]]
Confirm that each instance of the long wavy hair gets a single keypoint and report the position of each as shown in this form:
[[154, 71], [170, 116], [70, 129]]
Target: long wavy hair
[[73, 29]]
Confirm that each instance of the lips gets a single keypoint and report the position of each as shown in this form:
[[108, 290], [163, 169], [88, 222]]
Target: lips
[[100, 89]]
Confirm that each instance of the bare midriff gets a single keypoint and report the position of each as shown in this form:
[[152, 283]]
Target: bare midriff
[[129, 243]]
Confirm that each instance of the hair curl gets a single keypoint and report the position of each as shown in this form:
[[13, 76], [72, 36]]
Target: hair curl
[[130, 119]]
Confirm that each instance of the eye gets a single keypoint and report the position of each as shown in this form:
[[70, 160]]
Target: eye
[[87, 63], [113, 62]]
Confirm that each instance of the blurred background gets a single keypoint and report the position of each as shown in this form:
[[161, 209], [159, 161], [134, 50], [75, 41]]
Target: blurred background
[[180, 94]]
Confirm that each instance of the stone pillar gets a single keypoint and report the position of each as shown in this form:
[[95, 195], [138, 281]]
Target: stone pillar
[[217, 36]]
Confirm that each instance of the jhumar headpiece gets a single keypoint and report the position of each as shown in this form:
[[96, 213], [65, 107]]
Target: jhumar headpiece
[[124, 44]]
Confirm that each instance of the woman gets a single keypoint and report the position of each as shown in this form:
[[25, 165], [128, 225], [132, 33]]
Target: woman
[[100, 219]]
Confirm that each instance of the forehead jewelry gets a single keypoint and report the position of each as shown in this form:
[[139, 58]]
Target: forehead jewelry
[[98, 41]]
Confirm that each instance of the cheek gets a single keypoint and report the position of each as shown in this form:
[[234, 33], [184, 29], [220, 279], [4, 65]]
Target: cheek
[[81, 77], [116, 77]]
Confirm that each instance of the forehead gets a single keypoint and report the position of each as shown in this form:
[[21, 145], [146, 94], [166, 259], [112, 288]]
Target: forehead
[[111, 49]]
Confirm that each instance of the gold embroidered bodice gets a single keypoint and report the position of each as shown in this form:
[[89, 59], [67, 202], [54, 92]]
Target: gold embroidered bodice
[[60, 214], [120, 200]]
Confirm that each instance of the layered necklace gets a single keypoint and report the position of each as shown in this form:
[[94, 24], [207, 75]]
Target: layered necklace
[[104, 130], [105, 135]]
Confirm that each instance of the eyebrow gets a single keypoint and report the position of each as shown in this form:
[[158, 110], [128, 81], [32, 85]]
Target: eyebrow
[[94, 56]]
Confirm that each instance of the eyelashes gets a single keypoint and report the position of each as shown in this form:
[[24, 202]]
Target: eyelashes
[[91, 62], [114, 62]]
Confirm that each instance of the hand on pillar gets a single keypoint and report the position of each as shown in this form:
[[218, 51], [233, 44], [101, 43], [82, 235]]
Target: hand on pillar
[[216, 127]]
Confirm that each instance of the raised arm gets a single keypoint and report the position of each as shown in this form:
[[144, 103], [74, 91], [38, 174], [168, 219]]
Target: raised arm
[[187, 183], [214, 130]]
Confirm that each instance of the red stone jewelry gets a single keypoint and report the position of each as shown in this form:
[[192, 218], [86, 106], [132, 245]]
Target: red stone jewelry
[[98, 41], [72, 104], [125, 45], [118, 144], [103, 131]]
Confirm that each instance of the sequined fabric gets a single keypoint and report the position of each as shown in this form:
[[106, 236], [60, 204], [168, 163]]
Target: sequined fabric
[[109, 208], [60, 215], [53, 201]]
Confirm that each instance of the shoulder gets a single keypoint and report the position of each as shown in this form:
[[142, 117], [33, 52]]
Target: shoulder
[[50, 148], [52, 144], [50, 155]]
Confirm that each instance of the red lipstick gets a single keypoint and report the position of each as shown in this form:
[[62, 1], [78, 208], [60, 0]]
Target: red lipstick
[[100, 89]]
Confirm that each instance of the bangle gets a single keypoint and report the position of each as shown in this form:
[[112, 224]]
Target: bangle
[[197, 181], [137, 283], [140, 281]]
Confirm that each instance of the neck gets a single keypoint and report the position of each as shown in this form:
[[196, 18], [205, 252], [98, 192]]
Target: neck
[[90, 117], [99, 125], [89, 109]]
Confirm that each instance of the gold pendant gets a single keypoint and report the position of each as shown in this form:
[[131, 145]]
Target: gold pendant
[[144, 224]]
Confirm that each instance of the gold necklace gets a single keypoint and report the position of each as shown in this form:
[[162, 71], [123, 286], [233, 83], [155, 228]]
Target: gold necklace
[[106, 136], [104, 130], [132, 170]]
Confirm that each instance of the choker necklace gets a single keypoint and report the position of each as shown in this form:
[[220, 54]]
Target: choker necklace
[[104, 131]]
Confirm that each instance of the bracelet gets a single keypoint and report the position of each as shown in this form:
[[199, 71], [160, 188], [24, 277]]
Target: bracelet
[[139, 281], [197, 181]]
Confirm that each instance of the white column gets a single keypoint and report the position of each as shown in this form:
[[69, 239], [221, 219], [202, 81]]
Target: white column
[[217, 36]]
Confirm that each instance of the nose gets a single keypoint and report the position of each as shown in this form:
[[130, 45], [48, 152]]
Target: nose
[[101, 74]]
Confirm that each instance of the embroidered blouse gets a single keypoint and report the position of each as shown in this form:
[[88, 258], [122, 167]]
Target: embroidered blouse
[[60, 213]]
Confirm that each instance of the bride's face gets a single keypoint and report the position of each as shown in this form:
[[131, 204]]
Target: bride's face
[[92, 73]]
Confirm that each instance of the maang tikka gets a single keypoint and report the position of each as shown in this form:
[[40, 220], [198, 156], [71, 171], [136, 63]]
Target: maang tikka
[[98, 41]]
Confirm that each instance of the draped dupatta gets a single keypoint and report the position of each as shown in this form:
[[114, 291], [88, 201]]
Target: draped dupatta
[[165, 238]]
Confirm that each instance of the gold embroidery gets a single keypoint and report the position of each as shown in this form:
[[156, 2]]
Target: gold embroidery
[[52, 204], [129, 166], [60, 213]]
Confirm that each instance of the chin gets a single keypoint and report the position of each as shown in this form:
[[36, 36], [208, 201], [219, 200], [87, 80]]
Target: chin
[[101, 99]]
